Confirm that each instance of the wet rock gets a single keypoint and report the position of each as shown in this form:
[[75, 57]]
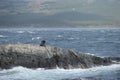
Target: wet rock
[[33, 56]]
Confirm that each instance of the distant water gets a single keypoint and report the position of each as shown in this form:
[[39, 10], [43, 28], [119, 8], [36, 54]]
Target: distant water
[[100, 42]]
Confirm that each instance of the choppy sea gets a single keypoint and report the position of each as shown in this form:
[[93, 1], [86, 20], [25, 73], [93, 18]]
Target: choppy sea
[[96, 41]]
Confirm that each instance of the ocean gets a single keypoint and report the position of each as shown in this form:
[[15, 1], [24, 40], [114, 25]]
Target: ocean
[[103, 42]]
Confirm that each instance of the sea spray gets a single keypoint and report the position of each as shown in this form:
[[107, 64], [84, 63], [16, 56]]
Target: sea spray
[[22, 73]]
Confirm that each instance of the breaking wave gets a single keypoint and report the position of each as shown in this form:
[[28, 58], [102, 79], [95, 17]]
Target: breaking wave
[[21, 73], [2, 36], [20, 31]]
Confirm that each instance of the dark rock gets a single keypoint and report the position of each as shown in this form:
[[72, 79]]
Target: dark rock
[[116, 59], [33, 56]]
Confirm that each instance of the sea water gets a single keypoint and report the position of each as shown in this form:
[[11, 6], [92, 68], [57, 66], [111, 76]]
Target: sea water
[[99, 42]]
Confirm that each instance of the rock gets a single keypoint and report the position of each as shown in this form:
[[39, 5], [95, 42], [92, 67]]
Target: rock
[[115, 59], [33, 56]]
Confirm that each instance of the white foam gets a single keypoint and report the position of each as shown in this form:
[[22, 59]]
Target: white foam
[[36, 38], [57, 74], [30, 32], [59, 36], [33, 38], [1, 36], [71, 38], [20, 31], [90, 54]]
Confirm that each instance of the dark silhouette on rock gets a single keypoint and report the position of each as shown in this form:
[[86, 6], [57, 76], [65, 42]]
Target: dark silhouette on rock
[[33, 56], [43, 43]]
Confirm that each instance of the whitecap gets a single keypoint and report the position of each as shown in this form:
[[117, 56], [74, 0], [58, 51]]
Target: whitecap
[[1, 36], [36, 38], [20, 31], [59, 36], [71, 38], [90, 54], [33, 38], [31, 32]]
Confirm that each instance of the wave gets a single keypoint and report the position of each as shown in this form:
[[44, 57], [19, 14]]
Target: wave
[[2, 36], [31, 32], [59, 36], [36, 38], [22, 73], [90, 54], [20, 31]]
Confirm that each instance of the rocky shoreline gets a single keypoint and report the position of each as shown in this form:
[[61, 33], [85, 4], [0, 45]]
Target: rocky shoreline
[[34, 56]]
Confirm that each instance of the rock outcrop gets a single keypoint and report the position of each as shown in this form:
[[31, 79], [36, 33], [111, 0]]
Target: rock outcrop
[[33, 56]]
